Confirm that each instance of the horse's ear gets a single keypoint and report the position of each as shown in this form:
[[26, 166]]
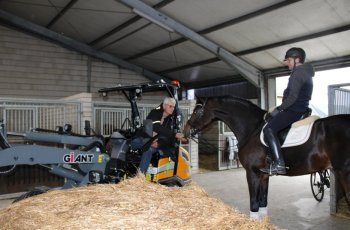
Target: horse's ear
[[199, 99]]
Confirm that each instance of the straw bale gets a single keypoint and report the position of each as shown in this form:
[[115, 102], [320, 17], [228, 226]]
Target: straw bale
[[132, 204]]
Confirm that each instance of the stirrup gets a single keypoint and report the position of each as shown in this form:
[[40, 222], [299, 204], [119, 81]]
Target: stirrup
[[274, 169]]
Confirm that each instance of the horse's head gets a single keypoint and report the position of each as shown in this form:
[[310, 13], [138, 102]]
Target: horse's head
[[200, 118]]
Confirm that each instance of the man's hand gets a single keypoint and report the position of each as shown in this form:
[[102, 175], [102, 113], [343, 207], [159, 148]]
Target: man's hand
[[155, 144], [181, 137]]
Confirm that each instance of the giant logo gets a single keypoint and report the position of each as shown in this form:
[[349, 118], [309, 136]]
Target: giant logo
[[80, 158]]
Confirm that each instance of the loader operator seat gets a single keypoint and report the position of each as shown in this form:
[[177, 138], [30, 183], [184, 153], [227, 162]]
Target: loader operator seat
[[144, 139]]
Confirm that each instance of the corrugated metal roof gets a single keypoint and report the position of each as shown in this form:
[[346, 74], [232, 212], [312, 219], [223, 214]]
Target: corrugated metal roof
[[258, 32]]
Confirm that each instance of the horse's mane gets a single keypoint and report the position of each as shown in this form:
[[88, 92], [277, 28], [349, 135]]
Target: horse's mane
[[239, 100], [241, 110]]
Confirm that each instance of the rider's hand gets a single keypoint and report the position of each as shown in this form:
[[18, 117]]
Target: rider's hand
[[275, 112], [270, 115]]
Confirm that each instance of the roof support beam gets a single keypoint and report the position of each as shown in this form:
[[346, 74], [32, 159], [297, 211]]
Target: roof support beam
[[325, 64], [320, 65], [263, 48], [61, 13], [126, 24], [19, 23], [248, 71], [297, 39], [188, 66], [218, 27]]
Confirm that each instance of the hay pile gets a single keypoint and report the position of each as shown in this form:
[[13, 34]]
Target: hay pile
[[131, 204]]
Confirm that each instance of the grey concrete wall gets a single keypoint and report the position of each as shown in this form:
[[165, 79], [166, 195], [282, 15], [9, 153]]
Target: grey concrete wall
[[35, 68]]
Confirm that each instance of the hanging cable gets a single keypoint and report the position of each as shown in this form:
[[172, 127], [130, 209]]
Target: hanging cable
[[175, 57]]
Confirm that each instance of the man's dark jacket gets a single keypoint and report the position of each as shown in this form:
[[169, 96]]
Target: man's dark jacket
[[166, 131], [298, 93]]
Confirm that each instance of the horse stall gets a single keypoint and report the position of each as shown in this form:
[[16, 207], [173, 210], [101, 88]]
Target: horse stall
[[217, 148], [338, 103]]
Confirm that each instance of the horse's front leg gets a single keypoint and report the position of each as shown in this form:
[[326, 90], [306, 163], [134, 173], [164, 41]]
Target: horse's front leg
[[258, 190], [263, 194]]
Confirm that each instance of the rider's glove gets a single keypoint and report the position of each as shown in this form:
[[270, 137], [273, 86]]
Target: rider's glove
[[275, 112], [271, 114]]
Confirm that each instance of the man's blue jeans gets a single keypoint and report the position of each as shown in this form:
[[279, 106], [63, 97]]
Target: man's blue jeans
[[146, 159], [146, 156]]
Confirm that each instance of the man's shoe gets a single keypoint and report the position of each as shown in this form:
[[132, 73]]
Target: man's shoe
[[274, 169]]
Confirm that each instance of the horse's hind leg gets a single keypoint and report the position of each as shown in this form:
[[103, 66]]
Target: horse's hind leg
[[343, 178]]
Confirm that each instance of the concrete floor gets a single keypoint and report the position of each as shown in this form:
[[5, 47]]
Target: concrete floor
[[4, 202], [291, 203]]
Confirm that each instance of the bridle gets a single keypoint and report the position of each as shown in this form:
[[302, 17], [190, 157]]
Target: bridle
[[198, 113]]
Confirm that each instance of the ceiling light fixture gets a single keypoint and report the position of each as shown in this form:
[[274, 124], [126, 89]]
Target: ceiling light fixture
[[155, 21]]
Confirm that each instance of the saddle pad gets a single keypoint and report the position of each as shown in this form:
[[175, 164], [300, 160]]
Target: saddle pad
[[298, 134]]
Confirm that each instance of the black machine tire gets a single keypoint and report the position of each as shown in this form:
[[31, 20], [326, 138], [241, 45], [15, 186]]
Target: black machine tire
[[34, 192], [317, 185], [7, 170]]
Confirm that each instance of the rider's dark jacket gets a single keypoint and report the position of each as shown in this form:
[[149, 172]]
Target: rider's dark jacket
[[298, 93], [166, 130]]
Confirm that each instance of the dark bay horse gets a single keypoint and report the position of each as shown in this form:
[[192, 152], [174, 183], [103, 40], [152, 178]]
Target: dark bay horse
[[327, 147]]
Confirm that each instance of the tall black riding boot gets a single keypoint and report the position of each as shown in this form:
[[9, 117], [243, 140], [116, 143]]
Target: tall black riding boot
[[277, 166]]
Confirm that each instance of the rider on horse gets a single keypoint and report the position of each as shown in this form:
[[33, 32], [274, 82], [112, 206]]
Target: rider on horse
[[295, 103]]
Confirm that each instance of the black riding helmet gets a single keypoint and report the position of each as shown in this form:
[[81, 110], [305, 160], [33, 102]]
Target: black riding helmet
[[296, 52]]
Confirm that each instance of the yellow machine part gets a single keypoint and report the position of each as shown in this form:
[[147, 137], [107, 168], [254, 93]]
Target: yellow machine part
[[165, 168], [183, 164]]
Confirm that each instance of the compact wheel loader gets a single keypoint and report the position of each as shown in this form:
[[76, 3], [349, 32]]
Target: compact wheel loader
[[89, 159]]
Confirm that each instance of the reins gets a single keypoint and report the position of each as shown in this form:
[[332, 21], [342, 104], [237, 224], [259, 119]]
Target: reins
[[207, 143]]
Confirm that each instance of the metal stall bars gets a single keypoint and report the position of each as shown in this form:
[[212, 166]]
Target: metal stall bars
[[21, 115], [227, 148]]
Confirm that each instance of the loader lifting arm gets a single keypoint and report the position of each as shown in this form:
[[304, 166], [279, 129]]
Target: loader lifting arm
[[78, 167]]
